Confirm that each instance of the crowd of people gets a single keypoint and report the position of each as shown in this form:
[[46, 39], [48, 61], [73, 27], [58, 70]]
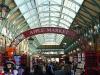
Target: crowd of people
[[54, 68], [51, 68]]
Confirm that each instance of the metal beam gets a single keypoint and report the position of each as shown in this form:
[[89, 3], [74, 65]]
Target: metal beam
[[89, 13], [80, 22], [85, 16], [49, 14], [2, 24], [38, 15], [61, 10], [93, 10], [85, 22], [96, 4], [18, 31]]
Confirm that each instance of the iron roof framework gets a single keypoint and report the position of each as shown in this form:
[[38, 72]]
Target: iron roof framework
[[35, 13]]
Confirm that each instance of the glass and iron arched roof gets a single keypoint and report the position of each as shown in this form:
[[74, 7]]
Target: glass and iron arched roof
[[49, 13]]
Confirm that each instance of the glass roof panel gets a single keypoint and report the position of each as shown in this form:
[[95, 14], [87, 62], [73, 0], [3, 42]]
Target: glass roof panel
[[59, 37], [26, 15], [44, 19], [19, 2], [32, 25], [44, 8], [54, 8], [40, 38], [49, 13], [54, 19], [57, 1], [62, 25], [23, 8], [29, 5], [68, 3], [43, 15], [54, 14], [79, 1], [38, 2]]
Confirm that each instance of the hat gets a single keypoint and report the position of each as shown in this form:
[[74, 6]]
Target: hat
[[10, 62]]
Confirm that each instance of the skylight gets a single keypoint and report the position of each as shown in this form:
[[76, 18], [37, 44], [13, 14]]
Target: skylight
[[54, 13]]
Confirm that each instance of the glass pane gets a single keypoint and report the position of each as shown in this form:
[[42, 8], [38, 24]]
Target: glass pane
[[32, 25], [68, 3], [59, 38], [43, 8], [64, 26], [72, 14], [23, 8], [44, 19], [55, 14], [54, 22], [29, 20], [40, 38], [58, 1], [54, 19], [38, 2], [79, 1], [18, 2], [29, 5], [69, 19], [26, 15], [65, 10], [54, 8]]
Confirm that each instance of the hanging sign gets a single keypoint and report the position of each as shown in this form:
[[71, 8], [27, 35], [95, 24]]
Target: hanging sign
[[67, 32]]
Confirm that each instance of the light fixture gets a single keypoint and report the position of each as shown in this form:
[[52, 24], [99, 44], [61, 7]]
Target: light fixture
[[78, 49], [4, 10], [90, 43], [74, 51]]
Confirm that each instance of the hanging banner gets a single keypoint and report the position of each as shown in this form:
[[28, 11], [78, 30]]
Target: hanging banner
[[67, 32], [82, 41], [42, 30]]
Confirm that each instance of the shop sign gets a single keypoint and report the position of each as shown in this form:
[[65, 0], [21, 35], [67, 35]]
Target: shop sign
[[66, 32], [42, 30]]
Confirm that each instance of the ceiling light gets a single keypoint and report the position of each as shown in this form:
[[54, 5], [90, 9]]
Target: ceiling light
[[90, 43], [77, 49]]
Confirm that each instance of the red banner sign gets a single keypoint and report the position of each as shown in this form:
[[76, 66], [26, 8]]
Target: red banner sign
[[67, 32], [43, 30]]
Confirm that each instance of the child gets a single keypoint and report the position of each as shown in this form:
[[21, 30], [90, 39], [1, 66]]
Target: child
[[10, 68]]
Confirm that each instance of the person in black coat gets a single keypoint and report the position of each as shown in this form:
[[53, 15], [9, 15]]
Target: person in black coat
[[38, 70]]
